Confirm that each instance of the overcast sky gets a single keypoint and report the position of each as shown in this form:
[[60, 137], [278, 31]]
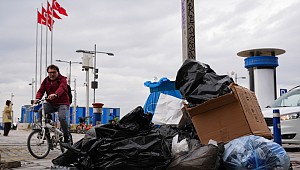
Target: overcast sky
[[145, 37]]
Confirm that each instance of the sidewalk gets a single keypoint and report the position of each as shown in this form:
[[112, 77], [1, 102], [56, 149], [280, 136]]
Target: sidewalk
[[14, 148]]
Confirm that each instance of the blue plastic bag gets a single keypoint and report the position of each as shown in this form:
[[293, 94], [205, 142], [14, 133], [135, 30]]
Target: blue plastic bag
[[255, 152]]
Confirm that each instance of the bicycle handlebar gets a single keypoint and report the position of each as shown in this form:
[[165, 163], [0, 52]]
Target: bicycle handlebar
[[38, 102]]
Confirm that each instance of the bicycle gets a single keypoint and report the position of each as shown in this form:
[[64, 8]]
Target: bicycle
[[45, 137], [82, 127]]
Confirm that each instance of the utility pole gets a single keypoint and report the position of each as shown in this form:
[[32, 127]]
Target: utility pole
[[12, 112], [75, 102], [87, 64], [188, 30]]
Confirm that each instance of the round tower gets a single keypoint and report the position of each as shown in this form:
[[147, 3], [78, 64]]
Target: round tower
[[261, 65]]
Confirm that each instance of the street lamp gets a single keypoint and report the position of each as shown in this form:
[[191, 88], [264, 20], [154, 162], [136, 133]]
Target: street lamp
[[69, 82], [236, 76], [12, 112], [94, 84], [32, 94], [70, 64]]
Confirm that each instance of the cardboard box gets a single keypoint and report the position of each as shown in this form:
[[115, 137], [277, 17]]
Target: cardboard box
[[229, 116]]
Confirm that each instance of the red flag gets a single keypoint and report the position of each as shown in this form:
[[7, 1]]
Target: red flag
[[41, 19], [46, 16], [57, 7], [49, 10]]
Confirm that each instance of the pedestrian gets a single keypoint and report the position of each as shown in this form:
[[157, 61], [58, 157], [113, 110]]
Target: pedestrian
[[18, 122], [55, 87], [7, 117]]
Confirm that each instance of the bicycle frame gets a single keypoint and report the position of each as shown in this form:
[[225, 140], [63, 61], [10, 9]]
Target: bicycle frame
[[42, 131]]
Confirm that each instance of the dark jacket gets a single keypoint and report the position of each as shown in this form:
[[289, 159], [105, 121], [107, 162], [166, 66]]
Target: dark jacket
[[57, 86]]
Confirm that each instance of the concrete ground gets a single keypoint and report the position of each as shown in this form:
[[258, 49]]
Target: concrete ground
[[14, 148]]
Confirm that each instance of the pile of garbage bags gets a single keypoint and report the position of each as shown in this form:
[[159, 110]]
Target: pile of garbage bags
[[136, 143]]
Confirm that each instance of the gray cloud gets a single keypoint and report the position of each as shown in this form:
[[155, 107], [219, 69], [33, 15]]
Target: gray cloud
[[145, 37]]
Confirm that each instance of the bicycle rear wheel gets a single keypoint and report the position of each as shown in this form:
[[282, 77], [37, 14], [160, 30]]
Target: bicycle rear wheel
[[38, 145]]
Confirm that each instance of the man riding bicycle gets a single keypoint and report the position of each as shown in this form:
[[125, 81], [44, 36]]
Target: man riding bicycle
[[55, 86]]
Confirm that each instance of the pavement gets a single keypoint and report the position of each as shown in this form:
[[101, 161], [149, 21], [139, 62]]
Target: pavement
[[14, 148]]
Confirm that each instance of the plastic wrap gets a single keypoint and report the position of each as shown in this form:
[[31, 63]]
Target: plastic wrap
[[255, 152]]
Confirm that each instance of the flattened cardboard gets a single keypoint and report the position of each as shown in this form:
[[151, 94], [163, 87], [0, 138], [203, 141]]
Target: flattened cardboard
[[229, 116]]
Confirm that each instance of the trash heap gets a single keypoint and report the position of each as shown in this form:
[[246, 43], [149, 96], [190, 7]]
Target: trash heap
[[219, 125]]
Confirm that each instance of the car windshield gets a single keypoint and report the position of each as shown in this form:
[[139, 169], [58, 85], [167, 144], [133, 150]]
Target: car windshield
[[289, 99]]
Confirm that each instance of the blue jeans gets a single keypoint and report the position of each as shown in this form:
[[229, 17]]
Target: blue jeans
[[62, 111]]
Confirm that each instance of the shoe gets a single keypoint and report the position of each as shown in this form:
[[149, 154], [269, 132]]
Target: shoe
[[51, 146], [66, 139]]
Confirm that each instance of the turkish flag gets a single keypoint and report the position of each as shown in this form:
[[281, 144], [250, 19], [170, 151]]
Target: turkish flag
[[49, 10], [57, 7], [41, 19], [47, 17]]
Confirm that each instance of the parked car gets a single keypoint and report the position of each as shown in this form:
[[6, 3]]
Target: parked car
[[289, 107]]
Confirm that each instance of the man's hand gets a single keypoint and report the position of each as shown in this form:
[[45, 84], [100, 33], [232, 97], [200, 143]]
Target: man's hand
[[35, 101], [52, 96]]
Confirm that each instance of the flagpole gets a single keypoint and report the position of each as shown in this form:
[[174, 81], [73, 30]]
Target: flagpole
[[51, 33], [36, 51], [41, 59], [46, 40]]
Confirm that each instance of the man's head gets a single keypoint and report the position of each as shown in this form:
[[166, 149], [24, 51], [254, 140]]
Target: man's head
[[53, 71]]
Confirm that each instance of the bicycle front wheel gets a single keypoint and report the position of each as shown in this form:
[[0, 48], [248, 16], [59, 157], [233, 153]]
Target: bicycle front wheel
[[38, 144]]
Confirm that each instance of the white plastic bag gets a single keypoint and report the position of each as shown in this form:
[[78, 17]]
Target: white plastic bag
[[168, 110], [182, 146]]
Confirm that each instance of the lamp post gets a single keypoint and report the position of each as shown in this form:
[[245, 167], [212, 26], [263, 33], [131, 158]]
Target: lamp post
[[236, 76], [94, 84], [69, 82], [12, 112], [32, 94], [70, 65]]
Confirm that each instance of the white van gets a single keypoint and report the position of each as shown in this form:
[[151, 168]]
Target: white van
[[289, 106]]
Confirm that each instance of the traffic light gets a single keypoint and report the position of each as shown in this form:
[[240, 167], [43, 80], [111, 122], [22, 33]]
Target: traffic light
[[94, 84], [96, 73]]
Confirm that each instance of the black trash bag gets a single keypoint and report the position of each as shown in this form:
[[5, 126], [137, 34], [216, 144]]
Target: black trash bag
[[68, 158], [136, 120], [198, 157], [144, 150], [133, 143], [198, 83]]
